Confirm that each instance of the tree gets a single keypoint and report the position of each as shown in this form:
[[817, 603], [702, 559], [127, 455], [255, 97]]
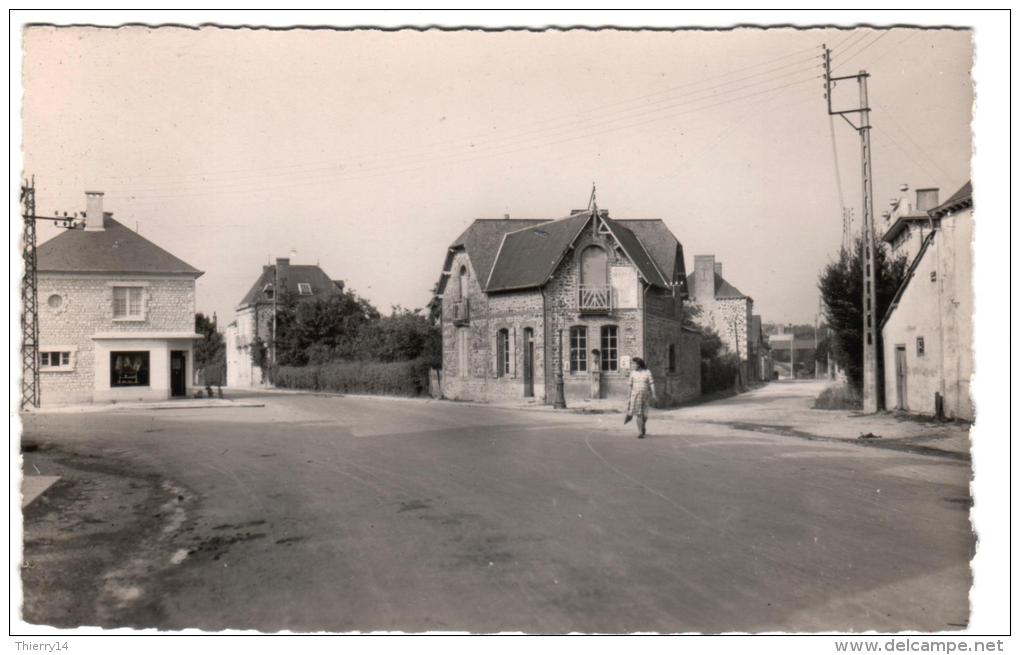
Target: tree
[[210, 352], [841, 285]]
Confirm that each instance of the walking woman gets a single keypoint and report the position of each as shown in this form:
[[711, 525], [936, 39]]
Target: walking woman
[[642, 388]]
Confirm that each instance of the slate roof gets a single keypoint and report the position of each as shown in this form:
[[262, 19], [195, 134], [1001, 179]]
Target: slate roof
[[962, 198], [723, 289], [509, 254], [116, 249], [322, 285]]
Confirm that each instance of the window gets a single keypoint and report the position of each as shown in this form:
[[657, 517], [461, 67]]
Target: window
[[610, 352], [304, 289], [920, 346], [578, 349], [671, 358], [502, 353], [594, 267], [462, 283], [54, 359], [268, 291], [127, 302], [55, 301], [129, 369]]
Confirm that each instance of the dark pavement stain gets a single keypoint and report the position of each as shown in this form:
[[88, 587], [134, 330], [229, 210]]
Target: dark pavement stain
[[290, 540], [901, 445], [963, 502], [235, 526], [413, 505]]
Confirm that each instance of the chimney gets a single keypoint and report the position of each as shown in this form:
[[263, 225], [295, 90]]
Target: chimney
[[927, 199], [704, 277], [94, 211], [718, 269], [282, 269]]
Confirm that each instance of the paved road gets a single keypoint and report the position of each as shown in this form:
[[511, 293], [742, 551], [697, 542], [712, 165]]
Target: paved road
[[340, 514]]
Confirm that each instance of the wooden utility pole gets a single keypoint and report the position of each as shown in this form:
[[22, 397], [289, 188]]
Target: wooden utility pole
[[872, 387]]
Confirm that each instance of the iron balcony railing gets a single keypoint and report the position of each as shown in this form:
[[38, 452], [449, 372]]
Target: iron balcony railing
[[460, 312], [595, 300]]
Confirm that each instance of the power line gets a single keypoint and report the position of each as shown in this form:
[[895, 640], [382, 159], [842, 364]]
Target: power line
[[858, 53], [899, 126], [571, 117], [483, 154], [605, 120]]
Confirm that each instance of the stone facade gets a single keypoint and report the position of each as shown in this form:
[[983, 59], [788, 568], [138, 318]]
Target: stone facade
[[76, 316], [647, 321], [723, 309]]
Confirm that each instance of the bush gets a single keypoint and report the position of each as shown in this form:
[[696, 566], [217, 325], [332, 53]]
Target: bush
[[839, 397], [409, 378]]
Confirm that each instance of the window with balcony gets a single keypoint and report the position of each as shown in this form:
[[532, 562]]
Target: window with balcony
[[460, 309], [610, 348], [502, 353], [578, 349], [594, 296]]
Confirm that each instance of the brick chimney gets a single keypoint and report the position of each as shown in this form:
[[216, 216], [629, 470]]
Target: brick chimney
[[282, 270], [94, 211], [718, 269], [927, 199], [704, 277]]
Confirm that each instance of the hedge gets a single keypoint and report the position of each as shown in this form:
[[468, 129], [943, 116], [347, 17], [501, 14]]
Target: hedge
[[409, 378]]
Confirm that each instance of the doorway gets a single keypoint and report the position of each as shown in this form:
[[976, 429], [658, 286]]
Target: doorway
[[529, 362], [178, 373], [901, 377]]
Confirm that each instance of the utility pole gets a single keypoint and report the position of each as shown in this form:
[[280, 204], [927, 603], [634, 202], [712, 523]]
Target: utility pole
[[871, 385], [31, 393]]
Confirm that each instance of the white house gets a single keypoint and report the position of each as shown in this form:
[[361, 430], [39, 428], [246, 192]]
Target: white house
[[928, 332], [116, 314]]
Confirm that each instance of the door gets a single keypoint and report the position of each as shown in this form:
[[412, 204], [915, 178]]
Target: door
[[178, 372], [901, 377], [529, 362]]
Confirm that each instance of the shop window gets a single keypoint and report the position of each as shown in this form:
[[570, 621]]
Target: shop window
[[610, 350], [578, 349], [129, 369]]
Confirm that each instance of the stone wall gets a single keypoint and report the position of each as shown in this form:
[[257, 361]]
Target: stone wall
[[729, 318], [85, 307]]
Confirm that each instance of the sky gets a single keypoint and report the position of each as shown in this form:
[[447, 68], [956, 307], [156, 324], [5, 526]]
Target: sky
[[369, 152]]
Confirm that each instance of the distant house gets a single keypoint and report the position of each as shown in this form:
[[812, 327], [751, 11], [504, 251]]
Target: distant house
[[927, 332], [759, 351], [584, 294], [724, 309], [253, 320], [116, 314]]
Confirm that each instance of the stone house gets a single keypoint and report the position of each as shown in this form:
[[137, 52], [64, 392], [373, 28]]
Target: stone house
[[927, 332], [723, 309], [522, 299], [116, 314], [254, 314]]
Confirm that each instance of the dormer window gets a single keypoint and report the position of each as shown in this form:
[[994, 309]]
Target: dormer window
[[267, 290], [304, 289]]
